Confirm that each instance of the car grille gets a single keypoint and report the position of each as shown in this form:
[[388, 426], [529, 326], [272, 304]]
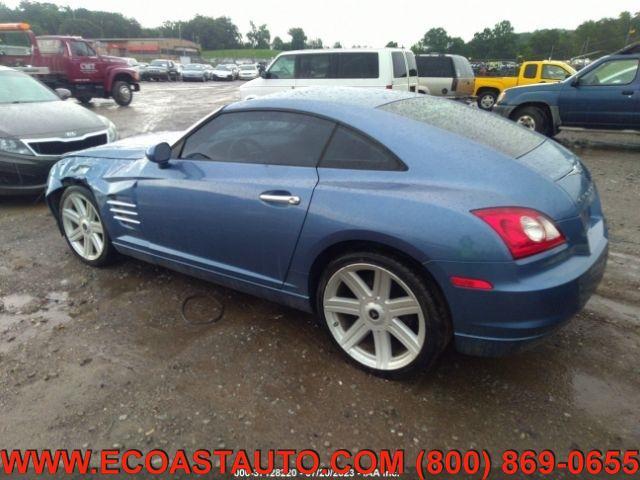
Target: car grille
[[60, 147]]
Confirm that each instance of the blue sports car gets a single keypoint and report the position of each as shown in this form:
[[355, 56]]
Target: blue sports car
[[402, 220]]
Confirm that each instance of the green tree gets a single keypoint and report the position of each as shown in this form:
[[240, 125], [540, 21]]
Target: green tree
[[337, 45], [392, 44], [81, 27], [315, 43], [298, 38], [278, 44], [259, 37], [436, 40]]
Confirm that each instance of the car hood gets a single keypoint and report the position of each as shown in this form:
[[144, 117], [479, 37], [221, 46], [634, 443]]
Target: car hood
[[132, 148], [47, 119], [536, 87]]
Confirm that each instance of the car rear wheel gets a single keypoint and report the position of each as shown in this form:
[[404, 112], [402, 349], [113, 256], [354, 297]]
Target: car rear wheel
[[122, 93], [83, 228], [486, 100], [381, 314], [532, 118]]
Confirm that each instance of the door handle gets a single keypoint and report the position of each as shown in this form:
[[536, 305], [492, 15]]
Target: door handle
[[284, 198], [627, 92]]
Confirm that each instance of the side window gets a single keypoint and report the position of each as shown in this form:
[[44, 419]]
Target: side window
[[264, 137], [358, 65], [81, 49], [530, 71], [316, 65], [614, 72], [554, 72], [399, 65], [352, 150], [411, 61], [283, 67]]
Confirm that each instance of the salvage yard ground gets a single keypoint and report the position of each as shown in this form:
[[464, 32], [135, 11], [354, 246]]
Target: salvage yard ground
[[103, 358]]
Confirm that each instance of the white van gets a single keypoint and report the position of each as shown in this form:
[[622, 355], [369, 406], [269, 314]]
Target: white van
[[391, 68]]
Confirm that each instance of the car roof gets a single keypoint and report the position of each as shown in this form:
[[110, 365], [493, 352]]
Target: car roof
[[343, 50]]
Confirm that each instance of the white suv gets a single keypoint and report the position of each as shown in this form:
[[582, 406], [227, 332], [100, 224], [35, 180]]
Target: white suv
[[391, 68]]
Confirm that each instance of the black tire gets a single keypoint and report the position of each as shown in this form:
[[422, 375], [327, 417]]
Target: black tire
[[533, 118], [487, 97], [122, 93], [437, 319], [109, 253], [85, 99]]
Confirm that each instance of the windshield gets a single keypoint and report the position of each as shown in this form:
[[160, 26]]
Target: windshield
[[247, 67], [159, 63], [194, 67], [16, 87], [221, 67], [15, 44]]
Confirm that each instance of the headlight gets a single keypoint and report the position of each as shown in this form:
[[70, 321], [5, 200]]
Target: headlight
[[10, 145], [112, 131]]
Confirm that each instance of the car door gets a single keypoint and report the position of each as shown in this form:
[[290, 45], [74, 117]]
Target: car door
[[280, 76], [606, 96], [85, 62], [235, 200]]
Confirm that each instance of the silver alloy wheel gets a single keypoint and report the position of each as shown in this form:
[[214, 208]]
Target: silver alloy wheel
[[82, 226], [487, 101], [374, 316], [527, 121]]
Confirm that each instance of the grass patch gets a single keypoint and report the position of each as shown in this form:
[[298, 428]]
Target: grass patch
[[240, 53]]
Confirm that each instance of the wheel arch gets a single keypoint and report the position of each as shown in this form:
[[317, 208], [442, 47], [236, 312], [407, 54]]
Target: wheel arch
[[53, 198], [401, 253], [545, 107], [482, 90]]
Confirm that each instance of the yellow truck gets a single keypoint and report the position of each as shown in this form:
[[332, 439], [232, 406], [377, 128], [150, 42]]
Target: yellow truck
[[487, 89]]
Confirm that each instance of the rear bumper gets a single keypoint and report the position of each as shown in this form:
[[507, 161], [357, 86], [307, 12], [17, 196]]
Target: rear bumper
[[24, 175], [523, 308]]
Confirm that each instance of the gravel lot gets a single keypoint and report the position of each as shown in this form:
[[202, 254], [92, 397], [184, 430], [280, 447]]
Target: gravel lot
[[103, 358]]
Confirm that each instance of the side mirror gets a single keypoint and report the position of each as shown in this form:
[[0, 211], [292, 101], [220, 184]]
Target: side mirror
[[265, 74], [160, 154], [63, 93], [575, 82]]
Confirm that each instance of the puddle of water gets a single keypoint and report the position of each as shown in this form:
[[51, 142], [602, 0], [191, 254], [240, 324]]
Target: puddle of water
[[16, 302]]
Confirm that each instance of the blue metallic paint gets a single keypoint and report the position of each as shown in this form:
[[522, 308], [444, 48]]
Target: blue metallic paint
[[205, 219]]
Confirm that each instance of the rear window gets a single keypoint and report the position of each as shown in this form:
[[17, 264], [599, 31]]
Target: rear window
[[15, 43], [413, 66], [50, 46], [351, 150], [399, 65], [439, 67], [487, 129], [358, 65], [463, 67]]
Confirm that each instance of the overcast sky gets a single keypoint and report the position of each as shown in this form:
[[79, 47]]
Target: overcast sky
[[372, 23]]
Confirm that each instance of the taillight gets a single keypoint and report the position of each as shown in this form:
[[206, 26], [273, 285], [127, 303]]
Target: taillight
[[454, 85], [525, 231], [389, 87]]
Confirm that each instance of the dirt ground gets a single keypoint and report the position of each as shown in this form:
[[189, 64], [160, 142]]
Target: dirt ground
[[103, 358]]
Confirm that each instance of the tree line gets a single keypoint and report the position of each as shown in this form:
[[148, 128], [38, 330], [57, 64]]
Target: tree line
[[499, 42]]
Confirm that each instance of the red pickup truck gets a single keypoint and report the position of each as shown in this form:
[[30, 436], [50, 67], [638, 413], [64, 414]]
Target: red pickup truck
[[67, 62]]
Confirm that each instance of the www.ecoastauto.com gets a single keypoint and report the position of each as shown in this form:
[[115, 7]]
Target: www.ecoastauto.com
[[292, 463]]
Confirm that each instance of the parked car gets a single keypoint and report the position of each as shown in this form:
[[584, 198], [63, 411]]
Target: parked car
[[234, 68], [165, 70], [194, 72], [488, 89], [249, 72], [445, 75], [374, 68], [222, 72], [402, 220], [603, 95], [68, 62], [37, 128]]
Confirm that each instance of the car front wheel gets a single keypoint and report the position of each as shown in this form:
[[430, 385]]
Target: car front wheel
[[83, 228], [382, 314], [122, 93], [532, 118]]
